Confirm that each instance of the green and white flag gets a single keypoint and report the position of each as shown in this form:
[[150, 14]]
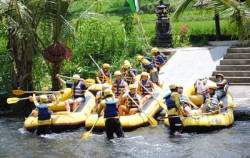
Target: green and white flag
[[134, 5]]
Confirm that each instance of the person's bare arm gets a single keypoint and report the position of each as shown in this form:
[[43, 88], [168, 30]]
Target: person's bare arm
[[60, 79]]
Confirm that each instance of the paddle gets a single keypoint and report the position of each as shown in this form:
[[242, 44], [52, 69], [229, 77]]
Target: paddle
[[86, 134], [88, 82], [20, 92], [15, 100], [151, 120], [105, 77], [163, 106]]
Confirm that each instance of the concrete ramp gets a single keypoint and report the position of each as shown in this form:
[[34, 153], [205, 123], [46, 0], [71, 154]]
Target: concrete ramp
[[189, 64]]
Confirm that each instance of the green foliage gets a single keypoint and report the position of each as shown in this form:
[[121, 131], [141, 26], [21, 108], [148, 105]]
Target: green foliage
[[181, 38]]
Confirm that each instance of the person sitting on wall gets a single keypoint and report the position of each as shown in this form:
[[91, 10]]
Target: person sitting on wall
[[158, 58]]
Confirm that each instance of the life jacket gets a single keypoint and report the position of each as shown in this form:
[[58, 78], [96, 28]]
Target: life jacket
[[147, 86], [129, 77], [169, 101], [118, 87], [111, 109], [129, 103], [43, 112], [101, 77], [213, 101], [147, 65], [183, 98], [159, 60], [78, 91]]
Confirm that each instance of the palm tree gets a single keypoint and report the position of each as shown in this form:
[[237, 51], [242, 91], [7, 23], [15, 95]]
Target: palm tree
[[237, 12]]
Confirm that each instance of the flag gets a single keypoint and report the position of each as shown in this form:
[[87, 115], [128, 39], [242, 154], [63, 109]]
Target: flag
[[134, 5]]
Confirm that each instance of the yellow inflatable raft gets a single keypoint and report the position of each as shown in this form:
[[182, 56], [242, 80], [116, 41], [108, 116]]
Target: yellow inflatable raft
[[61, 119], [199, 122], [131, 122]]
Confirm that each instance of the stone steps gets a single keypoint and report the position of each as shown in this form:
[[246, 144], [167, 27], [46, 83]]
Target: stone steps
[[233, 73], [237, 56], [233, 67], [234, 79], [235, 62], [238, 50]]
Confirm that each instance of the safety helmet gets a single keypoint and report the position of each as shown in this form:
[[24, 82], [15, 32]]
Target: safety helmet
[[107, 92], [43, 98], [105, 86], [76, 77], [132, 86], [219, 75], [139, 58], [105, 65], [126, 66], [214, 87], [154, 50], [144, 74], [126, 62], [117, 73], [172, 86], [45, 89], [179, 86]]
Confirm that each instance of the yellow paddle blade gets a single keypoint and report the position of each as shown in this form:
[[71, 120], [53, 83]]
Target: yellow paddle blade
[[12, 100], [86, 135], [90, 82], [152, 121], [18, 92]]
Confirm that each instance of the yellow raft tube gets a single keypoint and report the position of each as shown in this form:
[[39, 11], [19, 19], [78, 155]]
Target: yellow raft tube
[[62, 120], [129, 122], [199, 122]]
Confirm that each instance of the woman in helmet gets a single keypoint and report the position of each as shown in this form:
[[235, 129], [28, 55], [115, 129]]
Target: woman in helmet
[[149, 68], [130, 103], [172, 100], [103, 75], [119, 85], [79, 87], [146, 87], [111, 115], [212, 102], [222, 85], [129, 75], [158, 59]]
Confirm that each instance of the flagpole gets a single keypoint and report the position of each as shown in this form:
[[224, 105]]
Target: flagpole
[[141, 27]]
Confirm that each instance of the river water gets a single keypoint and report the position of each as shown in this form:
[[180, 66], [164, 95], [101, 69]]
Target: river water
[[233, 142]]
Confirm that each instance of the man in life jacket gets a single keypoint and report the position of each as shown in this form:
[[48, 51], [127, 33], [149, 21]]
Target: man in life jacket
[[149, 68], [119, 85], [129, 74], [212, 102], [100, 94], [184, 101], [222, 85], [78, 87], [158, 59], [129, 106], [112, 122], [104, 75], [43, 113], [174, 110], [146, 87]]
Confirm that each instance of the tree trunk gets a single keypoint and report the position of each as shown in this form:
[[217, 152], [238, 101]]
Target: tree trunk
[[217, 24], [55, 82]]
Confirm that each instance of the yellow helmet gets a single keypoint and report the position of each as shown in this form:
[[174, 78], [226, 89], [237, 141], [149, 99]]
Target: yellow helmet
[[132, 86], [172, 86], [144, 74], [126, 66], [219, 75], [179, 86], [105, 86], [139, 58], [117, 73], [154, 50], [214, 87], [76, 77], [45, 89], [126, 62], [43, 98], [105, 65], [107, 92]]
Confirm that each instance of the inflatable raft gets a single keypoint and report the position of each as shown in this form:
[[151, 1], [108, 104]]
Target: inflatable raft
[[130, 122], [61, 119], [199, 122]]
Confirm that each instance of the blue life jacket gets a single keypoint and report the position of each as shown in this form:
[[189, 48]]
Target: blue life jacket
[[43, 112], [111, 109], [169, 101]]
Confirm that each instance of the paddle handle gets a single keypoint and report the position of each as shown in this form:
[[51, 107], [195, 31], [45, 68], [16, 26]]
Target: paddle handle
[[81, 79]]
